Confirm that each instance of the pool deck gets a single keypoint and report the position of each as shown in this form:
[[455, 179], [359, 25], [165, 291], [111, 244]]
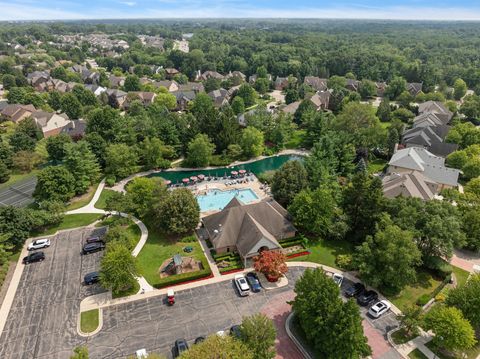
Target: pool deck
[[256, 186]]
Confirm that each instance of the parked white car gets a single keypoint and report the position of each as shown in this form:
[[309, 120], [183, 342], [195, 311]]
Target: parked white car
[[242, 285], [379, 308], [38, 244], [338, 278]]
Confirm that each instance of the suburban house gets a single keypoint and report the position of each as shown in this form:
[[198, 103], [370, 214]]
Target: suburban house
[[248, 229], [145, 97], [75, 129], [220, 97], [116, 81], [50, 123], [238, 74], [432, 167], [414, 88], [196, 87], [210, 74], [280, 83], [253, 78], [316, 82], [413, 184], [291, 108], [38, 77], [352, 85], [116, 98], [431, 138], [97, 90], [321, 100], [17, 113], [438, 109], [184, 98], [171, 86], [62, 86], [381, 87], [171, 72]]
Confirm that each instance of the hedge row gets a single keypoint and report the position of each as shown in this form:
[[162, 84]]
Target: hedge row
[[226, 257], [237, 267], [184, 278], [292, 243]]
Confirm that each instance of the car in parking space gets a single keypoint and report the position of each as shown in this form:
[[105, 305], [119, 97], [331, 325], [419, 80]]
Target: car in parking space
[[199, 340], [338, 278], [354, 290], [93, 247], [235, 331], [253, 281], [91, 278], [180, 346], [34, 257], [379, 308], [367, 298], [242, 285], [94, 239], [39, 244]]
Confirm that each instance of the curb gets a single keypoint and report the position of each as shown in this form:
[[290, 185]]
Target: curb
[[100, 324], [293, 338]]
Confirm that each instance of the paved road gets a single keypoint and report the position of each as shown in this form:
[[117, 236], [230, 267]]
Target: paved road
[[43, 319], [20, 194]]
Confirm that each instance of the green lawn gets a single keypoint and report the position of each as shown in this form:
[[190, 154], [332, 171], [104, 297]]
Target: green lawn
[[102, 200], [70, 221], [296, 140], [126, 293], [41, 148], [471, 354], [89, 320], [462, 275], [157, 249], [83, 200], [14, 178], [376, 165], [325, 251], [409, 295], [400, 337], [417, 354]]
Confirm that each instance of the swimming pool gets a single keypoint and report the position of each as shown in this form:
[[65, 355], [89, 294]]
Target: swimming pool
[[217, 200]]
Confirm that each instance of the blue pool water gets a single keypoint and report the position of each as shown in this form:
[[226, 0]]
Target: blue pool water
[[217, 200]]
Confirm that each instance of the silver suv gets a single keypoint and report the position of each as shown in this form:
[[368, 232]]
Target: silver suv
[[38, 244]]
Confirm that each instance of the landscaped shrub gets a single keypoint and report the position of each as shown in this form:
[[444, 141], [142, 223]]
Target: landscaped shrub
[[423, 299], [189, 239], [439, 266], [220, 160], [110, 181], [266, 177], [184, 277], [345, 261], [297, 242]]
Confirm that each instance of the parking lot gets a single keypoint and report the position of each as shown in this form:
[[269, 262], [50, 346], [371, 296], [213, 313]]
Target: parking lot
[[43, 319]]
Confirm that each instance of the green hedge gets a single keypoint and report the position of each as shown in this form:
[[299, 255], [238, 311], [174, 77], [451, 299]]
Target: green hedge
[[237, 266], [423, 299], [227, 257], [292, 243], [184, 277]]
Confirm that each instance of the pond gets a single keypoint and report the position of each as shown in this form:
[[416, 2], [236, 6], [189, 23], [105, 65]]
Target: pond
[[257, 167]]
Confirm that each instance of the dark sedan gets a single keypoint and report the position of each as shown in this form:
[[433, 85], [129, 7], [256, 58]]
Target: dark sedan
[[34, 257], [354, 290], [93, 247], [367, 298], [91, 278], [180, 346], [253, 282]]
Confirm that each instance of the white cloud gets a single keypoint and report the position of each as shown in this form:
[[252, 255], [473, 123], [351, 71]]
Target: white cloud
[[128, 3]]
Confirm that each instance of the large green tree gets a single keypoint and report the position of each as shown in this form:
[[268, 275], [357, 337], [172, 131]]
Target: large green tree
[[71, 106], [288, 181], [56, 146], [118, 268], [54, 183], [82, 164], [321, 312], [467, 298], [388, 260], [258, 333], [452, 331], [459, 89], [178, 212], [216, 346], [252, 142], [121, 160], [200, 151]]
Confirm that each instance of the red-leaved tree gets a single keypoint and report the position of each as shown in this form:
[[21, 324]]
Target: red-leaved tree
[[271, 264]]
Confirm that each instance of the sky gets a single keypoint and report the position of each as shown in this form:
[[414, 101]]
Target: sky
[[358, 9]]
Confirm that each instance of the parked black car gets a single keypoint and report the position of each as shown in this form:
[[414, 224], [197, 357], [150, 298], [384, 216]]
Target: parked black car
[[235, 331], [354, 290], [94, 240], [180, 346], [367, 298], [252, 280], [91, 278], [93, 247], [199, 340], [34, 257]]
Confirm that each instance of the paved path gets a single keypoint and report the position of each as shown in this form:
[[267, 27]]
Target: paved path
[[465, 259], [90, 207], [417, 343]]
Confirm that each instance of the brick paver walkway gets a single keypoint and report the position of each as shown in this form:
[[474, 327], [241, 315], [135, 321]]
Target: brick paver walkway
[[277, 309], [376, 341]]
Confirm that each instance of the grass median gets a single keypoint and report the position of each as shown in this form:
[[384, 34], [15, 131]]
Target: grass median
[[89, 321], [68, 222]]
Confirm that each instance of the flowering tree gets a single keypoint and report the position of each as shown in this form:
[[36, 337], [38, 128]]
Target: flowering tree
[[271, 264]]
